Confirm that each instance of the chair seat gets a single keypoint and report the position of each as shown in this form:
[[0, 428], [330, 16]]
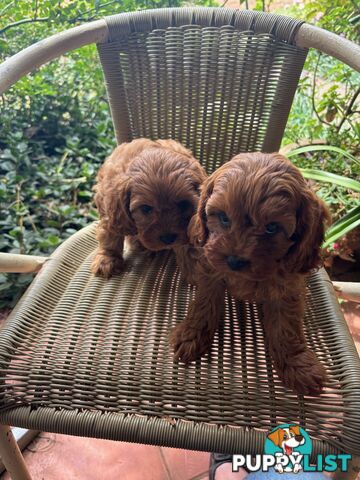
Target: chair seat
[[86, 356]]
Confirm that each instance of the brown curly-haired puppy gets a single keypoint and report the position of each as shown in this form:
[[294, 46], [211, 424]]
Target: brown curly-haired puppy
[[259, 228], [148, 190]]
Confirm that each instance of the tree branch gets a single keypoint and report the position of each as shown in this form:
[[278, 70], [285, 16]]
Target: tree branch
[[80, 17], [348, 110], [313, 93], [21, 22]]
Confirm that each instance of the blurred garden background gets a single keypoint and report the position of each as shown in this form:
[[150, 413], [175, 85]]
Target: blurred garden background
[[55, 128]]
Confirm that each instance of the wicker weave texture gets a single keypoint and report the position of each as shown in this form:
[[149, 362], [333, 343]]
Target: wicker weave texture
[[219, 81], [87, 356]]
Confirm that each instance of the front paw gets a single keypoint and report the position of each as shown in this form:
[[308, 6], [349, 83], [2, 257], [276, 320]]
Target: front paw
[[190, 343], [304, 374], [106, 266]]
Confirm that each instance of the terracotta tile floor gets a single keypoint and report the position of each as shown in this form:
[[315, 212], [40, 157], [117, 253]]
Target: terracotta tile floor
[[58, 457]]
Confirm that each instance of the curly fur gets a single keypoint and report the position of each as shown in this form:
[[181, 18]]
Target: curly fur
[[256, 190], [161, 175]]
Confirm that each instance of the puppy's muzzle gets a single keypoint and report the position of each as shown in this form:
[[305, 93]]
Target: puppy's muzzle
[[237, 263], [168, 238]]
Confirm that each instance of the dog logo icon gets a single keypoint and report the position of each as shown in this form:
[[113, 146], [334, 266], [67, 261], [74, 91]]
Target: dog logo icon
[[287, 449], [288, 443]]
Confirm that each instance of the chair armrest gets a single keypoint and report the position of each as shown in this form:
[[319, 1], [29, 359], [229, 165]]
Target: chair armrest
[[14, 263], [344, 50], [52, 47]]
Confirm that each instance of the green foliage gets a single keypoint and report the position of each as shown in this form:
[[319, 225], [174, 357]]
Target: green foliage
[[344, 225], [326, 110], [351, 219], [350, 186], [55, 131], [326, 105], [320, 176], [323, 148]]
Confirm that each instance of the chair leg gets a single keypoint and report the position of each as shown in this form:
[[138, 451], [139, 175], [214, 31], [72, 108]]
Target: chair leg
[[217, 459], [353, 470], [11, 455]]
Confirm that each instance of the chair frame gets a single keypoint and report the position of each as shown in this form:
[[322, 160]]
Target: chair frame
[[33, 57]]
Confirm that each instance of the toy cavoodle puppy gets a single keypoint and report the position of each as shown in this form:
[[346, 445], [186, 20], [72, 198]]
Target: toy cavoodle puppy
[[147, 190], [258, 229]]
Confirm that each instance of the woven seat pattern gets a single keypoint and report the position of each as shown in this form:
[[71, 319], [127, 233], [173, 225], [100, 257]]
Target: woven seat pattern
[[94, 356], [85, 356]]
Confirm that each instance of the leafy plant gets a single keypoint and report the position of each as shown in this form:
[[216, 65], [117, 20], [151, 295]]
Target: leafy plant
[[323, 148], [55, 131], [351, 219], [325, 116], [348, 222], [326, 105]]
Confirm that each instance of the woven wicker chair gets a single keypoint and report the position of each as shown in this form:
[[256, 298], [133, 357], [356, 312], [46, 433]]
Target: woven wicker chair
[[84, 356]]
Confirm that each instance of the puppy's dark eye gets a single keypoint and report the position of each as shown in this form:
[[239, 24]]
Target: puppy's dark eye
[[272, 228], [224, 219], [183, 205], [146, 209]]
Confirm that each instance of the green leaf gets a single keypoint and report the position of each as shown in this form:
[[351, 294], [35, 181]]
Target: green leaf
[[85, 193], [351, 215], [328, 177], [53, 240], [344, 225], [355, 20], [25, 278], [320, 148], [5, 286], [342, 232], [3, 45]]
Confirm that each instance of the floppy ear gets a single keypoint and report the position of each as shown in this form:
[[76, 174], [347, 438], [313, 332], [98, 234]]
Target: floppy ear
[[112, 200], [198, 174], [197, 229], [312, 218], [275, 437], [295, 429]]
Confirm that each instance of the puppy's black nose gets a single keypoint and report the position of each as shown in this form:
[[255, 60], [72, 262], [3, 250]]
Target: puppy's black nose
[[236, 263], [299, 438], [168, 238]]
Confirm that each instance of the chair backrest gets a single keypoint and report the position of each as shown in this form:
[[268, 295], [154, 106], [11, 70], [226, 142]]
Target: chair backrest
[[221, 81]]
